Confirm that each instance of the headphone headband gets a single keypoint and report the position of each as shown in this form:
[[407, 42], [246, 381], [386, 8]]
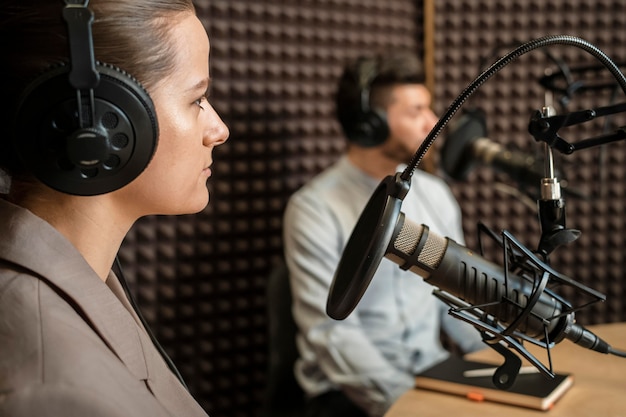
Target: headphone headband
[[79, 19]]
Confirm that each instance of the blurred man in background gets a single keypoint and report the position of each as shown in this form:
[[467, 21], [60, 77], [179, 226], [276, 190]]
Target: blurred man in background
[[361, 365]]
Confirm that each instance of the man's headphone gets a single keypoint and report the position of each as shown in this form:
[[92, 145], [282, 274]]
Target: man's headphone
[[85, 128], [369, 126]]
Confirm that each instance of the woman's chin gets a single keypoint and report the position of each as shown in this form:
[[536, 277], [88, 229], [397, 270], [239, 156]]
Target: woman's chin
[[191, 206]]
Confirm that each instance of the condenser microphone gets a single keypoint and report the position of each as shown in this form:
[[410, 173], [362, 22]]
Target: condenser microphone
[[467, 146], [453, 268], [383, 231]]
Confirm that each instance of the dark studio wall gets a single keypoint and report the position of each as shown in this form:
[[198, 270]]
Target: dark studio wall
[[201, 279]]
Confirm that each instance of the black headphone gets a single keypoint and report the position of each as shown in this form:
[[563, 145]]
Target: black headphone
[[369, 127], [85, 128]]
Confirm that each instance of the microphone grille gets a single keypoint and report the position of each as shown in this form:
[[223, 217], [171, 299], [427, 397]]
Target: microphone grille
[[433, 251], [410, 239]]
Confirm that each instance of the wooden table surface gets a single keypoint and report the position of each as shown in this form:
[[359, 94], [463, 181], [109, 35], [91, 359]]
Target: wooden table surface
[[599, 385]]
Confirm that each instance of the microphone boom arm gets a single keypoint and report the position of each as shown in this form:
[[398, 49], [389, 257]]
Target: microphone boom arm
[[545, 129], [497, 66]]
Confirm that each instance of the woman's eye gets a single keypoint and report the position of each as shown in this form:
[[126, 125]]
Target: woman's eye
[[204, 98], [199, 102]]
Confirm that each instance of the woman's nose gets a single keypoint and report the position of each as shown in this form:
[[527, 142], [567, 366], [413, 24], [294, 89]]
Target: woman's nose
[[216, 132]]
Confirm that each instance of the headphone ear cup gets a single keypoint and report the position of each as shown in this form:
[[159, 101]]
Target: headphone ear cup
[[99, 158], [366, 125], [370, 129]]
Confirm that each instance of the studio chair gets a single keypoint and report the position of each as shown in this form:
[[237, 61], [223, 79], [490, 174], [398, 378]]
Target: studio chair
[[283, 396]]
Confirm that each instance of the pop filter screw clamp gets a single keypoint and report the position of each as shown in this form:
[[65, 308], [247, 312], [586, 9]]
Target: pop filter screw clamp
[[544, 127], [551, 207]]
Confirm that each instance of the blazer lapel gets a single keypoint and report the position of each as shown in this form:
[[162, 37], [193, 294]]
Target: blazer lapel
[[72, 278]]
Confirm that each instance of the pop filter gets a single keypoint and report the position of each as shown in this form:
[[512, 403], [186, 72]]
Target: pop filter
[[366, 247]]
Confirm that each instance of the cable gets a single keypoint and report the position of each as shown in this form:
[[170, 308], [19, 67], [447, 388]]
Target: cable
[[617, 352], [156, 343]]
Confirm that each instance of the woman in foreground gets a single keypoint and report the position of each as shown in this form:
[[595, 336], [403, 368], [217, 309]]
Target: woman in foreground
[[71, 344]]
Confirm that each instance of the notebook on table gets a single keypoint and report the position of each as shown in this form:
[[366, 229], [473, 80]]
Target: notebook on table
[[473, 380]]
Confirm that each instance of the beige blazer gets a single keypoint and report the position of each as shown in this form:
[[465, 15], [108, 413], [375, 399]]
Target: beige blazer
[[70, 345]]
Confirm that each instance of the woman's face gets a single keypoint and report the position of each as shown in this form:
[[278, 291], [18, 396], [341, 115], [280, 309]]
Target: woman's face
[[189, 129]]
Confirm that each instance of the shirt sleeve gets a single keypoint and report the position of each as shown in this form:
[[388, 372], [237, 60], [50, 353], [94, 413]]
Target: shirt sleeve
[[314, 239]]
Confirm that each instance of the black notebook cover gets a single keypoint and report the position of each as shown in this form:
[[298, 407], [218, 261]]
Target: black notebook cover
[[532, 390]]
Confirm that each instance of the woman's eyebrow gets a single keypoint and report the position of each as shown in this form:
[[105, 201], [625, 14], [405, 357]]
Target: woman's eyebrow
[[203, 84]]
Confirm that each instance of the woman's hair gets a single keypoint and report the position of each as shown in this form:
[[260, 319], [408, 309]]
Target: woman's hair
[[131, 35]]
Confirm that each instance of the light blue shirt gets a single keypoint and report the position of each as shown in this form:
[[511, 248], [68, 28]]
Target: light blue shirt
[[394, 331]]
